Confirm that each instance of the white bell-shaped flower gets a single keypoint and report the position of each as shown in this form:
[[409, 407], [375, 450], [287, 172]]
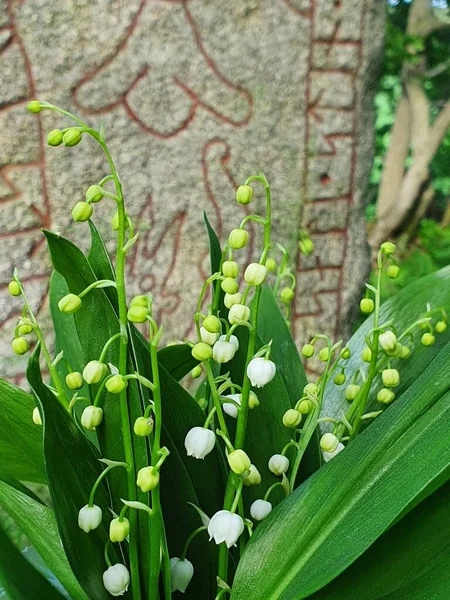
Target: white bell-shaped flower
[[182, 572], [223, 352], [329, 455], [199, 442], [278, 464], [231, 409], [233, 339], [208, 337], [260, 509], [260, 371], [225, 526], [89, 517], [116, 579]]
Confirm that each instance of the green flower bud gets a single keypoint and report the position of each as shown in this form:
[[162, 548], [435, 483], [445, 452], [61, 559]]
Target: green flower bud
[[91, 417], [202, 351], [143, 426], [428, 339], [232, 299], [311, 388], [34, 106], [238, 239], [329, 442], [229, 285], [366, 354], [82, 211], [20, 346], [388, 340], [253, 477], [244, 194], [94, 193], [25, 329], [308, 350], [238, 312], [55, 137], [392, 271], [116, 384], [339, 379], [139, 301], [212, 324], [74, 381], [390, 377], [405, 352], [388, 248], [303, 406], [70, 304], [271, 265], [367, 305], [351, 391], [441, 326], [94, 371], [287, 295], [292, 418], [346, 353], [14, 288], [72, 137], [36, 416], [239, 462], [137, 314], [385, 396], [147, 478], [230, 268], [119, 529], [324, 354], [253, 401], [306, 246], [255, 274], [196, 372], [395, 352]]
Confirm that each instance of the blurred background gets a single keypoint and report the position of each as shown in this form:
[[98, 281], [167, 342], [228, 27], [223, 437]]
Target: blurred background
[[344, 104]]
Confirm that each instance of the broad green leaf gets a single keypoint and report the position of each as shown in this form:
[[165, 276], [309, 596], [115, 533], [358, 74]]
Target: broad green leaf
[[38, 523], [334, 516], [21, 441], [409, 561], [177, 360], [215, 251], [403, 309], [72, 465], [19, 578]]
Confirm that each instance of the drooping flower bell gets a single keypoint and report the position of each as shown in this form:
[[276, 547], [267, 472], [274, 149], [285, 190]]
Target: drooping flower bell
[[199, 442], [260, 509], [230, 408], [116, 579], [223, 352], [147, 478], [238, 312], [182, 572], [278, 464], [225, 526], [89, 517], [94, 371], [261, 371], [329, 455], [119, 529], [91, 417]]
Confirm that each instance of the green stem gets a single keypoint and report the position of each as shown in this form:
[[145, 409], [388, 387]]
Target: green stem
[[189, 540], [216, 398]]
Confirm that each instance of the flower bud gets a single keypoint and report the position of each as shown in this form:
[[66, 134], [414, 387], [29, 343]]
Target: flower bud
[[428, 339], [147, 478], [366, 354], [259, 509], [143, 426], [212, 324], [261, 371], [304, 406], [339, 378], [327, 456], [346, 353], [441, 326], [278, 464], [230, 268], [253, 477], [137, 314], [91, 417], [308, 350], [405, 352], [239, 462], [390, 377], [329, 442], [238, 239], [119, 529], [388, 248], [311, 388], [255, 274], [69, 304], [306, 246], [94, 371], [34, 106], [116, 579], [202, 351], [89, 517], [225, 526], [238, 312], [232, 299], [324, 354], [14, 288], [385, 396], [207, 337], [392, 271], [253, 401], [271, 265], [244, 194], [229, 285], [20, 346], [292, 418], [140, 300], [233, 339], [181, 572], [115, 222], [94, 193], [287, 295], [72, 137], [230, 408], [25, 329], [223, 352], [74, 381], [196, 372], [387, 340], [199, 442], [367, 305], [82, 211], [351, 391], [116, 384], [55, 137], [36, 416]]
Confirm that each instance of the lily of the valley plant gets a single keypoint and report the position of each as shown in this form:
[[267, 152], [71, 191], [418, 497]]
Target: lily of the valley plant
[[260, 485]]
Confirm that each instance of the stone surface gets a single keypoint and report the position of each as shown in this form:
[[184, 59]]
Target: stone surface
[[195, 96]]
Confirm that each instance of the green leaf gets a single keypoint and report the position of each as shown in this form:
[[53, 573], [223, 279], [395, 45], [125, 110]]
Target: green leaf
[[21, 441], [340, 510], [72, 468], [403, 309], [177, 360], [38, 523], [19, 578], [408, 561], [215, 251]]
